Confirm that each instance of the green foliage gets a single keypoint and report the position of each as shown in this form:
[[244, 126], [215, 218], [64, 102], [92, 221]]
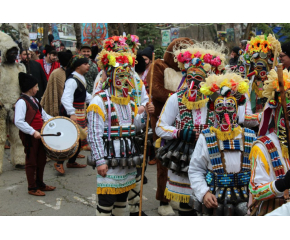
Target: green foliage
[[285, 31], [149, 35]]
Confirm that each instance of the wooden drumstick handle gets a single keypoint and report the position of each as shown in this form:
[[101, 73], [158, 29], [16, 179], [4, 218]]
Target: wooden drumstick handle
[[51, 135]]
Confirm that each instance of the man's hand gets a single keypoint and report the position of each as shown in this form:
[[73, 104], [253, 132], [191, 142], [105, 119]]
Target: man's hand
[[141, 109], [102, 170], [36, 135], [73, 117], [150, 108], [210, 200]]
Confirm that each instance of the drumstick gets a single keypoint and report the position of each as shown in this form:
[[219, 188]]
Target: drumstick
[[51, 135]]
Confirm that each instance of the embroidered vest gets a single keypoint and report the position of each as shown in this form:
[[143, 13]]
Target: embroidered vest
[[186, 118]]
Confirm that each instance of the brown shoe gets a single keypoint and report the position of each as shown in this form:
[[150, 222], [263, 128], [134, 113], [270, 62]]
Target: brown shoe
[[81, 156], [152, 162], [47, 188], [36, 193], [75, 165], [59, 168]]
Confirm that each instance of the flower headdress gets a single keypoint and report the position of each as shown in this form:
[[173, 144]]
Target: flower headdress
[[207, 55], [271, 86], [229, 84], [263, 44], [122, 43]]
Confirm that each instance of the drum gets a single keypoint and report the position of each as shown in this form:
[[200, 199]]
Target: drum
[[61, 147]]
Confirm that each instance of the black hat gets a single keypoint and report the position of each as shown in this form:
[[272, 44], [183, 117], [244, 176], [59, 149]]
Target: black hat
[[286, 48], [148, 51], [141, 65], [49, 50], [85, 46], [62, 44], [236, 50], [78, 60], [26, 81], [64, 58]]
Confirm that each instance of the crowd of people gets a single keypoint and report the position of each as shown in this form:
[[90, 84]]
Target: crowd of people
[[219, 128]]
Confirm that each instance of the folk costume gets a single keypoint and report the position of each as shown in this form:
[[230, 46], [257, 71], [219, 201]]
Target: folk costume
[[140, 96], [269, 156], [48, 67], [262, 52], [220, 162], [9, 93], [113, 121], [184, 114], [73, 102], [167, 76], [29, 117]]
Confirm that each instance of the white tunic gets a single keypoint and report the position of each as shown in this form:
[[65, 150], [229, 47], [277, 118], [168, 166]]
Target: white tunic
[[20, 113], [70, 87], [200, 163], [118, 177]]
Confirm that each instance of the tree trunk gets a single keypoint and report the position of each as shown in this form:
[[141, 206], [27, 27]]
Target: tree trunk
[[77, 27], [121, 27], [113, 29], [132, 28], [248, 30], [45, 34]]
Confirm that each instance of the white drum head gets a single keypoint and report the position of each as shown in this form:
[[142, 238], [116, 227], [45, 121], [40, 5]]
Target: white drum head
[[68, 137]]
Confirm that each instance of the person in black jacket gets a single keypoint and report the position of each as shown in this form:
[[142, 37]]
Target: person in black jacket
[[35, 70]]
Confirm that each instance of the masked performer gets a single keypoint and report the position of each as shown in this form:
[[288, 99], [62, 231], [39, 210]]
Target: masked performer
[[113, 122], [184, 115], [9, 93], [269, 156], [129, 44], [219, 170]]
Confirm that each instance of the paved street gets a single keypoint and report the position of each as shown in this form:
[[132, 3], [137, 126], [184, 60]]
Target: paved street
[[75, 193]]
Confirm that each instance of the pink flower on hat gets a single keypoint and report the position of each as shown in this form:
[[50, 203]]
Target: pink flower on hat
[[216, 62], [197, 55], [207, 58]]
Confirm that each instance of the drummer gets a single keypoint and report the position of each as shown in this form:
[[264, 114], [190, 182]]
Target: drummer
[[73, 104], [29, 117]]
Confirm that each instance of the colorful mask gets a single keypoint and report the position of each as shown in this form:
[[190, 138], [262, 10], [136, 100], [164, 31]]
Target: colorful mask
[[118, 64], [230, 89], [196, 62]]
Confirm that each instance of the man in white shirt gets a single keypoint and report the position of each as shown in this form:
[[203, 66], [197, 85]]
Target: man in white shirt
[[73, 104]]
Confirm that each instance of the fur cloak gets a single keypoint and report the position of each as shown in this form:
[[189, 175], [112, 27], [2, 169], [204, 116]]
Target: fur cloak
[[9, 93]]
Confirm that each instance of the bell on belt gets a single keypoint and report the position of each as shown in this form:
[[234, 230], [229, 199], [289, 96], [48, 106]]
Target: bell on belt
[[159, 153], [123, 162], [183, 158], [241, 209], [131, 163], [184, 169], [168, 155], [219, 211], [107, 162], [173, 166], [114, 163], [175, 156], [228, 210], [137, 161]]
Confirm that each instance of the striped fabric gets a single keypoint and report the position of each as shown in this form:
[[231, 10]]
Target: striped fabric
[[81, 119]]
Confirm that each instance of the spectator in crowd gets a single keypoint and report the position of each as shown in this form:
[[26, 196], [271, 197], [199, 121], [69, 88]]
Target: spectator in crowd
[[95, 51], [147, 55], [34, 68], [234, 56], [49, 63], [243, 45], [62, 48], [91, 75], [284, 56]]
